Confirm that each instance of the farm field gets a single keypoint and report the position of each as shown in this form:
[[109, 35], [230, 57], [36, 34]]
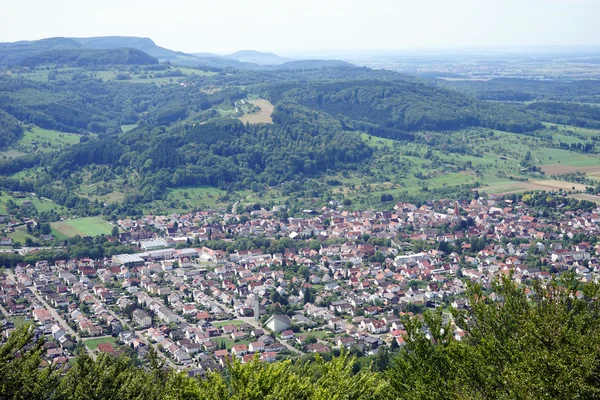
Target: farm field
[[89, 226], [588, 197], [262, 117], [559, 169], [549, 185], [92, 344]]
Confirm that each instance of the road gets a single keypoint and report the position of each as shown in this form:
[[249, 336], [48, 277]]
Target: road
[[141, 336], [54, 314], [251, 321], [4, 312]]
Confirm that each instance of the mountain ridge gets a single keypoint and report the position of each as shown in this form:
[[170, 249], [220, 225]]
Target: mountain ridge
[[13, 53]]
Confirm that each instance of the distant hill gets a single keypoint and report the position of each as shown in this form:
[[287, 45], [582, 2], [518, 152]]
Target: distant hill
[[32, 52], [90, 57], [314, 64], [257, 57], [13, 53], [144, 44]]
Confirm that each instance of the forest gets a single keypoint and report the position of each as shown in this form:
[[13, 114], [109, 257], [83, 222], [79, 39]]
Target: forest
[[89, 58], [539, 343]]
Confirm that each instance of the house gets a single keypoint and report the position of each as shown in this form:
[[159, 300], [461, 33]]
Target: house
[[181, 356], [141, 318], [278, 322], [268, 356], [287, 334], [107, 348], [239, 350], [256, 346], [377, 326]]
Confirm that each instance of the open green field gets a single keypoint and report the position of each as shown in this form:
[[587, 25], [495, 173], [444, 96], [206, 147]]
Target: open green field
[[235, 322], [186, 198], [229, 342], [46, 139], [40, 204], [22, 320], [89, 226], [92, 344]]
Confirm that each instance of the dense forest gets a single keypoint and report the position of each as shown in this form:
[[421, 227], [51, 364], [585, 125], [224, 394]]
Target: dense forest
[[539, 343], [90, 58], [10, 129], [515, 89], [582, 115], [384, 107]]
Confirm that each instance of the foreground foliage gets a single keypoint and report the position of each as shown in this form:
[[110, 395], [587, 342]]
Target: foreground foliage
[[538, 343]]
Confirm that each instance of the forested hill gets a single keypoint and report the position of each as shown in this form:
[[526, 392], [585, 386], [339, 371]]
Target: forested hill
[[185, 131], [143, 44], [90, 58], [391, 108]]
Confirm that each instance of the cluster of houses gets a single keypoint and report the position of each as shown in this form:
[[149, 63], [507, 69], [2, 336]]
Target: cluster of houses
[[357, 290]]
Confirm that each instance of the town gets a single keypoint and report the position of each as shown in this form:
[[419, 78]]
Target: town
[[329, 279]]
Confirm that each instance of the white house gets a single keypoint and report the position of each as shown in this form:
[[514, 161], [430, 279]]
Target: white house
[[278, 322]]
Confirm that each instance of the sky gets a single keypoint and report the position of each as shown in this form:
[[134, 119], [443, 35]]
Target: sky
[[224, 26]]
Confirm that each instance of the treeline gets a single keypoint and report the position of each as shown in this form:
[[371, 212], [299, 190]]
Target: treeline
[[89, 58], [543, 343], [582, 115], [515, 89]]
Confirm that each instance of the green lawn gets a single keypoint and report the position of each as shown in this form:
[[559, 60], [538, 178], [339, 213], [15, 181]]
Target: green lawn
[[89, 226], [229, 342], [235, 322], [92, 344], [21, 320]]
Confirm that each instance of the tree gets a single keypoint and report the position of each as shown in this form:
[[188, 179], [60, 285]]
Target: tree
[[115, 231], [20, 371]]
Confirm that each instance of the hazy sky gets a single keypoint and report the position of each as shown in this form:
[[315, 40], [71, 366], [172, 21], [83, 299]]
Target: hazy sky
[[275, 25]]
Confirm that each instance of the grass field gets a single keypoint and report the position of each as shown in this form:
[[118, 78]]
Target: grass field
[[92, 344], [40, 204], [235, 322], [47, 139], [21, 320], [229, 342], [89, 226]]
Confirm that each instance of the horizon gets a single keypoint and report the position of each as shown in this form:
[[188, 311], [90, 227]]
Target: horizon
[[267, 25], [524, 49]]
